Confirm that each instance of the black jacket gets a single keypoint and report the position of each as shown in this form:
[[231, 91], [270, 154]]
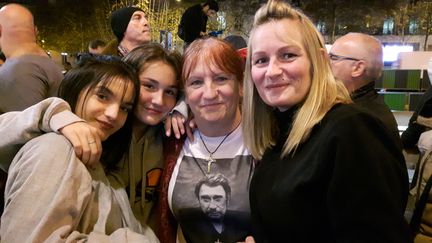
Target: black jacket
[[367, 98], [412, 134], [346, 183], [193, 21]]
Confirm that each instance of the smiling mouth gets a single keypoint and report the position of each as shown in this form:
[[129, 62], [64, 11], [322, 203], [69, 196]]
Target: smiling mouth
[[105, 125], [153, 110], [275, 86], [211, 105]]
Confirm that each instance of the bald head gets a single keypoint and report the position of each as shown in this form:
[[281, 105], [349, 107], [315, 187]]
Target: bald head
[[359, 46], [16, 16], [17, 28]]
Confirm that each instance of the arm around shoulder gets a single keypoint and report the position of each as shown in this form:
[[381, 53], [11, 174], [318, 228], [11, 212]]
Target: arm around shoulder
[[16, 128]]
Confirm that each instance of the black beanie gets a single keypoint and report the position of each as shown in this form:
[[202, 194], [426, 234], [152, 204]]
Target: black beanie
[[120, 20]]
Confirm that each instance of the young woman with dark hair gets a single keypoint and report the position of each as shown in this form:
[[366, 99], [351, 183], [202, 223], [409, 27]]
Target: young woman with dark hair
[[50, 195], [139, 170]]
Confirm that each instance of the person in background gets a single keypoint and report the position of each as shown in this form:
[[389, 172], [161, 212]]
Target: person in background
[[212, 75], [131, 28], [239, 44], [28, 75], [67, 66], [328, 171], [236, 41], [356, 59], [416, 126], [96, 47], [50, 195], [193, 23]]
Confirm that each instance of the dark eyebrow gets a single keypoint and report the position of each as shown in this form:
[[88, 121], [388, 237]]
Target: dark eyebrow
[[158, 84], [109, 92], [151, 80], [129, 103], [104, 89]]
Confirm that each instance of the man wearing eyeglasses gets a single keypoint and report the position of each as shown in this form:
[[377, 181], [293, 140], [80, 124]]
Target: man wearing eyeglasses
[[356, 59]]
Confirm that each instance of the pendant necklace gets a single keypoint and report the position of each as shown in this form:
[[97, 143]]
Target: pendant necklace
[[210, 158]]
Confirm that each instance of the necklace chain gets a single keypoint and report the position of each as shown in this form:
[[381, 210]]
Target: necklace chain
[[210, 159], [214, 151]]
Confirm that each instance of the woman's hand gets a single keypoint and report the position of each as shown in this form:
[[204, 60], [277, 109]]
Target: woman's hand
[[85, 140], [175, 121], [190, 128]]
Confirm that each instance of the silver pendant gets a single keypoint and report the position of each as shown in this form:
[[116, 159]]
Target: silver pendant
[[210, 160]]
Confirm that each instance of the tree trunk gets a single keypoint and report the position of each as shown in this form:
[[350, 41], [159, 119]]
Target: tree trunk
[[333, 27], [428, 24], [402, 33]]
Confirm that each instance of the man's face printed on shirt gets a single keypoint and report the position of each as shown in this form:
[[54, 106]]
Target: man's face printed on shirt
[[213, 201]]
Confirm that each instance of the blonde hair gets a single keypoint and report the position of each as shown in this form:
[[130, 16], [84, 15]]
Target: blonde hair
[[259, 126]]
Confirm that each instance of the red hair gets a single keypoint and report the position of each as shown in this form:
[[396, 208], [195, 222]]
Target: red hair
[[213, 51]]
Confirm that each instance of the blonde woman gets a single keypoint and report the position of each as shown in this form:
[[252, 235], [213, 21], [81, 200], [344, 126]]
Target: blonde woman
[[328, 171]]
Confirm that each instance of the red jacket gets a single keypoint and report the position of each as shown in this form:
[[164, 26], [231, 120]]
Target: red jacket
[[167, 230]]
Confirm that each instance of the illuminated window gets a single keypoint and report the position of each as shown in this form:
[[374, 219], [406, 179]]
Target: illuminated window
[[391, 51], [221, 19], [413, 27], [321, 27], [388, 26]]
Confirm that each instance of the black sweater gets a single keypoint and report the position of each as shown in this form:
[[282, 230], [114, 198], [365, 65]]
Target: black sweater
[[347, 183]]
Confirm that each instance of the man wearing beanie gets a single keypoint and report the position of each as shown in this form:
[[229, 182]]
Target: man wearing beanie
[[193, 22], [131, 28]]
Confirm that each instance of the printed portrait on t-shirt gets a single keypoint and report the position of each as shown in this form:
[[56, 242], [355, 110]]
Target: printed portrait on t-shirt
[[210, 197]]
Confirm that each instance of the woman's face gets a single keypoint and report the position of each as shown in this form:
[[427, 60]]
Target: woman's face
[[158, 92], [106, 107], [280, 66], [213, 96]]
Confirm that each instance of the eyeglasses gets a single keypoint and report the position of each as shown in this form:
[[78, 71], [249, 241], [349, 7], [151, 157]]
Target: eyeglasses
[[335, 57]]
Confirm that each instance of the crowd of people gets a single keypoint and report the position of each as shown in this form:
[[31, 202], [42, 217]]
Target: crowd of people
[[280, 141]]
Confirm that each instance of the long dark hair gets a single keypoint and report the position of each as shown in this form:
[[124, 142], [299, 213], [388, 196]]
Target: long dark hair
[[84, 78]]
